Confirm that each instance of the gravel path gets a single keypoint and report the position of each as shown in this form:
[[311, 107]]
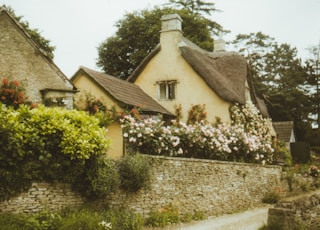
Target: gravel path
[[248, 220]]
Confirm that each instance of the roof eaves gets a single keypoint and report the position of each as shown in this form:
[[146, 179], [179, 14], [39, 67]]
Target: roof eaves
[[143, 64], [35, 45]]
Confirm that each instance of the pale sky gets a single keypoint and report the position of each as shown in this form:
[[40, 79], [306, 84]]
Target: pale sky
[[77, 27]]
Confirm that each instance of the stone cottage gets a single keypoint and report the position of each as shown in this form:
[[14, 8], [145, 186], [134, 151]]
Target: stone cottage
[[23, 60]]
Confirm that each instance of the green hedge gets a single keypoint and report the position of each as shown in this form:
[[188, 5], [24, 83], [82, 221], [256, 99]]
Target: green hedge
[[47, 144]]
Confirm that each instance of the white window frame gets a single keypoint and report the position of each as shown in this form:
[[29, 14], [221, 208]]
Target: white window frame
[[170, 90]]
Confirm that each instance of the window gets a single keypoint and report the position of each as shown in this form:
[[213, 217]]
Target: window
[[166, 90]]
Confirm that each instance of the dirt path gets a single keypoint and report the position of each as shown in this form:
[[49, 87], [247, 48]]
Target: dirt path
[[251, 219]]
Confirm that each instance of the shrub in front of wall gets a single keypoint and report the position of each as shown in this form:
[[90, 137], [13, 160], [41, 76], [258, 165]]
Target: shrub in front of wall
[[165, 216], [236, 142], [134, 171], [100, 178], [271, 197], [46, 144]]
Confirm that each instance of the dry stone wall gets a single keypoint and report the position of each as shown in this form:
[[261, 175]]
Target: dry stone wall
[[213, 187], [41, 196], [301, 212]]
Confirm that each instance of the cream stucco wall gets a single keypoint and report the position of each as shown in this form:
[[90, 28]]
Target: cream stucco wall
[[190, 89], [85, 86]]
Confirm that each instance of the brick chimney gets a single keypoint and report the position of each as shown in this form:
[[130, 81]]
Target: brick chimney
[[171, 30]]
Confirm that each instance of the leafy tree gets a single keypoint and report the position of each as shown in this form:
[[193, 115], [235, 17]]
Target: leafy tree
[[35, 34], [279, 77], [196, 6], [138, 34], [313, 69]]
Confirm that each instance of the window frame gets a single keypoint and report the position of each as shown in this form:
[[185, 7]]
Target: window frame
[[166, 90]]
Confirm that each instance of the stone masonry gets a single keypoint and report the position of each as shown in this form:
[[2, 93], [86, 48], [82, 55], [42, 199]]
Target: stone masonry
[[213, 187]]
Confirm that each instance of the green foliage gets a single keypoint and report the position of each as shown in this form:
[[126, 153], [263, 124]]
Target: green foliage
[[138, 34], [100, 178], [199, 215], [12, 93], [196, 114], [196, 6], [271, 197], [134, 171], [18, 221], [281, 153], [247, 139], [97, 108], [160, 218], [83, 218], [280, 78], [49, 144]]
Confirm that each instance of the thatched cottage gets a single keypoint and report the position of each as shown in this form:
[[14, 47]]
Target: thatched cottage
[[178, 72], [23, 60]]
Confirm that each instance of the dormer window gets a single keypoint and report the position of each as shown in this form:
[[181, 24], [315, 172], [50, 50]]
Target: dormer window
[[166, 90]]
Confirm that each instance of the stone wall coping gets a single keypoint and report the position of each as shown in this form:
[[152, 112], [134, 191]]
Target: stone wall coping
[[212, 161]]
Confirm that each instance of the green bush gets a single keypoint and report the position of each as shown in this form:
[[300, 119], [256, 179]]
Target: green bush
[[134, 171], [99, 179], [45, 144], [82, 218], [163, 217], [199, 215], [271, 198]]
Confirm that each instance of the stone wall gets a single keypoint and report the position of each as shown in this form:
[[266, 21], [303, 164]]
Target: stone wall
[[213, 187], [22, 60], [40, 196], [301, 212]]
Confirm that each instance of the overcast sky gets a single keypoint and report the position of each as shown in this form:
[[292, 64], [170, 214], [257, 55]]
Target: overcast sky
[[77, 27]]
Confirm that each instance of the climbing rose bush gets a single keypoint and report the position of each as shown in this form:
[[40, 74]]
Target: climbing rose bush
[[236, 142], [12, 93]]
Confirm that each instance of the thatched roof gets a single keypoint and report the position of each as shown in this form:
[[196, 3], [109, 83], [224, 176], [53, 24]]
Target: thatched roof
[[224, 72], [126, 93], [284, 130], [225, 75]]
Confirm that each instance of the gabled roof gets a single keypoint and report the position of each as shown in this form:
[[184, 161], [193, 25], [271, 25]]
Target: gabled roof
[[284, 130], [123, 91], [38, 50], [224, 72]]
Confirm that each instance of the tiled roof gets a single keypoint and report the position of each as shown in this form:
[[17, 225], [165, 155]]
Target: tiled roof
[[125, 92], [284, 130]]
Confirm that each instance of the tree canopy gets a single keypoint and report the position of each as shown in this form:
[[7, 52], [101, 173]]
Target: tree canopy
[[280, 78], [138, 34]]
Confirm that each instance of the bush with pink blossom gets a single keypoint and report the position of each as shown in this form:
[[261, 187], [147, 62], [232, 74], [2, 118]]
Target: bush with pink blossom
[[247, 139]]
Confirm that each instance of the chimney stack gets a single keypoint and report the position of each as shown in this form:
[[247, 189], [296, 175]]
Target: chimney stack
[[171, 22], [219, 45]]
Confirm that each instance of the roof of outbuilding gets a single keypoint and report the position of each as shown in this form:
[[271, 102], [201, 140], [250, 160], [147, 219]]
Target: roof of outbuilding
[[123, 91], [284, 130]]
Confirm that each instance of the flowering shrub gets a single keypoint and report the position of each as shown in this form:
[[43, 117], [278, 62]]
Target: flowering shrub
[[314, 171], [11, 93], [196, 114], [236, 142]]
